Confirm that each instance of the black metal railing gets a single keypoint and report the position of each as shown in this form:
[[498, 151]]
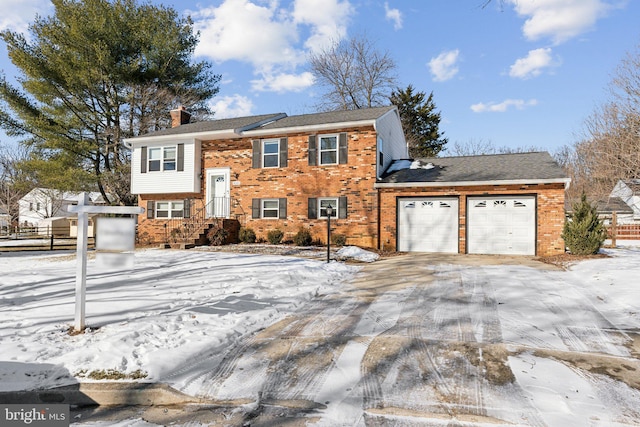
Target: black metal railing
[[199, 217]]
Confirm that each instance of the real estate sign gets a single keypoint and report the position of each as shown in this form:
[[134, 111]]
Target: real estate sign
[[83, 210]]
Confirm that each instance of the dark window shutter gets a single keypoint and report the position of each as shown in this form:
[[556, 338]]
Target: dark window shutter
[[143, 159], [284, 152], [180, 165], [255, 208], [344, 149], [186, 208], [313, 208], [313, 152], [256, 159], [342, 207], [282, 208], [150, 207]]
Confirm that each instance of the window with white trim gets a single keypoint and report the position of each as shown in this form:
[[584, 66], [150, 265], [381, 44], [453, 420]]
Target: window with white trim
[[271, 153], [328, 149], [269, 208], [162, 159], [324, 203], [170, 209]]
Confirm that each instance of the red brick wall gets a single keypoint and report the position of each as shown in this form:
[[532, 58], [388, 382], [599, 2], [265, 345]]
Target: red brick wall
[[297, 182], [550, 215]]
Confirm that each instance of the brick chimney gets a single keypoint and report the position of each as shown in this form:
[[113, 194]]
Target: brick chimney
[[180, 116]]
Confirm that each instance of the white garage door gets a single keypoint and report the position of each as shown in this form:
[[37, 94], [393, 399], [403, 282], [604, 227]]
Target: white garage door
[[428, 224], [501, 225]]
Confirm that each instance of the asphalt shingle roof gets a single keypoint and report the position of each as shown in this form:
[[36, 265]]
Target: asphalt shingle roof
[[613, 204], [274, 121], [498, 167], [215, 125], [363, 114]]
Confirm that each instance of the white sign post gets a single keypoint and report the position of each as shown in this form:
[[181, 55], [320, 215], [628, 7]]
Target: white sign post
[[83, 211]]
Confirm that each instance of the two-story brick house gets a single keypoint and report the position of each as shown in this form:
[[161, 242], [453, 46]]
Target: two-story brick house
[[277, 171]]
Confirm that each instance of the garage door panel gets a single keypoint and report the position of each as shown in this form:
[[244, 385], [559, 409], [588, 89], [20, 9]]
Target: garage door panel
[[501, 225], [428, 225]]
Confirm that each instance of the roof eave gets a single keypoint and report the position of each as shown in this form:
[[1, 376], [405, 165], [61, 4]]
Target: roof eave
[[219, 134], [308, 128], [564, 181]]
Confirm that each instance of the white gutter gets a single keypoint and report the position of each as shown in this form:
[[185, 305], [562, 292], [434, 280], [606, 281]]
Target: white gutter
[[564, 181], [219, 134], [307, 128]]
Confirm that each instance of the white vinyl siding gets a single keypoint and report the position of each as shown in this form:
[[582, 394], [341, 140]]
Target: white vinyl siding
[[391, 141], [173, 181]]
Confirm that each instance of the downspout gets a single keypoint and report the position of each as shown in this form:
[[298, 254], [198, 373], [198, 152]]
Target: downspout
[[378, 220]]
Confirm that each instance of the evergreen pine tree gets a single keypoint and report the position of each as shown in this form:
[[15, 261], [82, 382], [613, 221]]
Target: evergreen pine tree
[[420, 122], [584, 234]]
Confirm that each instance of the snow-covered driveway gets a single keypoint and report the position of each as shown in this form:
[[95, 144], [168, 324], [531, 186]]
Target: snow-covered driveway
[[422, 340]]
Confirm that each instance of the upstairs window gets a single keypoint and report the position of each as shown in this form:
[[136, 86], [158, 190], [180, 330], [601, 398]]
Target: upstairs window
[[329, 150], [169, 159], [271, 153], [162, 159], [155, 159]]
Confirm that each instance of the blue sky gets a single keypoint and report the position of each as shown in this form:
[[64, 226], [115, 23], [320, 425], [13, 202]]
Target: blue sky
[[517, 73]]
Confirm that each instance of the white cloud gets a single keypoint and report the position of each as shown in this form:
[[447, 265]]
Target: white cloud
[[328, 20], [16, 15], [532, 64], [559, 20], [268, 36], [283, 82], [244, 31], [393, 15], [502, 107], [443, 67], [231, 106]]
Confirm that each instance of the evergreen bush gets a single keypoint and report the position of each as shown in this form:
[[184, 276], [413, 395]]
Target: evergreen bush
[[217, 236], [584, 233], [247, 235], [303, 237], [338, 239], [275, 236]]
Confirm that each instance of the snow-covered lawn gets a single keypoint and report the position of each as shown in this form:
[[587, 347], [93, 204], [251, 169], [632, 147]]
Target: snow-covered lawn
[[167, 310]]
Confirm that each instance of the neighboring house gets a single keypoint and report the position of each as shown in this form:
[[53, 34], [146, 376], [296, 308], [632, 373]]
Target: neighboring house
[[44, 208], [606, 209], [629, 192], [5, 221], [277, 171]]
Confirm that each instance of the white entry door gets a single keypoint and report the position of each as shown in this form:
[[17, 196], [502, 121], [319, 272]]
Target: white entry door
[[428, 224], [218, 200], [501, 225]]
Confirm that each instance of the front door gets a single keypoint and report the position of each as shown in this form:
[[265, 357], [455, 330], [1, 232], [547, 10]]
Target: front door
[[218, 193]]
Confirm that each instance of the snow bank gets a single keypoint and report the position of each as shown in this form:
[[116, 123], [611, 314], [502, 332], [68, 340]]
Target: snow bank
[[357, 254]]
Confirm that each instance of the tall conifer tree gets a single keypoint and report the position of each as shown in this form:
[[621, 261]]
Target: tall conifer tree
[[93, 73], [420, 121]]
